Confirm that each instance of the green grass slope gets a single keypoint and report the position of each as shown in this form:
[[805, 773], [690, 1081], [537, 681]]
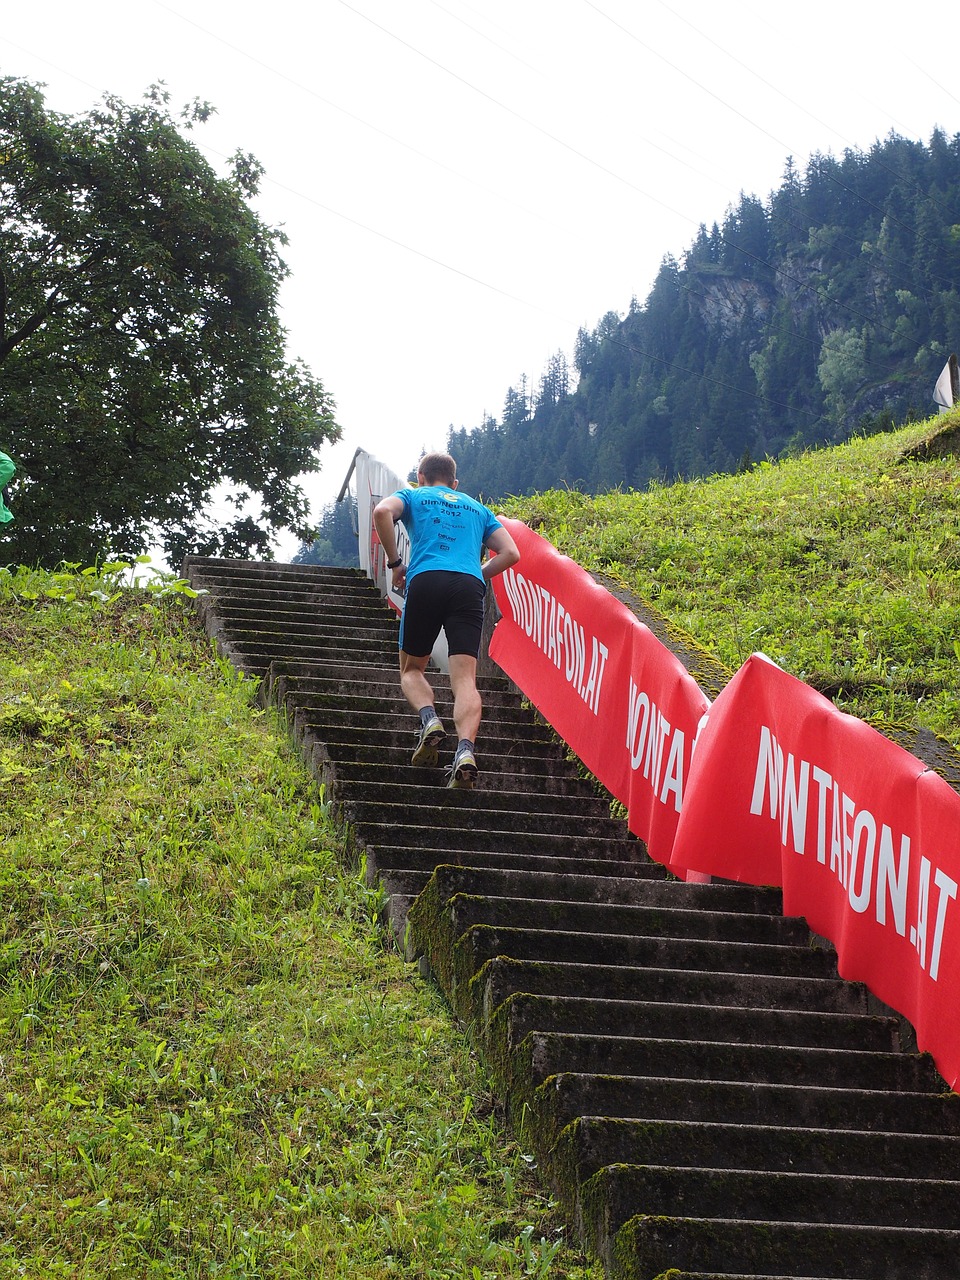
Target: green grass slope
[[842, 565], [209, 1064]]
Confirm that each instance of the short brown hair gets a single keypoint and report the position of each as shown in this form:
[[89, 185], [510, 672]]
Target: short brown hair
[[437, 468]]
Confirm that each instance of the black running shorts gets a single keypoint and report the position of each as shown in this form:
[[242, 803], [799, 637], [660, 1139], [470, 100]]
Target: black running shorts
[[440, 600]]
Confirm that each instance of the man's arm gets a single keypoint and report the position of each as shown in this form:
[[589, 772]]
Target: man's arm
[[505, 553], [385, 516]]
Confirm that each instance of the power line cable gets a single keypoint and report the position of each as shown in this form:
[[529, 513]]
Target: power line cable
[[831, 177], [366, 124], [446, 266], [576, 151], [503, 106]]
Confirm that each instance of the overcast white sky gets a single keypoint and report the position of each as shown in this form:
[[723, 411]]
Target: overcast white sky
[[466, 182]]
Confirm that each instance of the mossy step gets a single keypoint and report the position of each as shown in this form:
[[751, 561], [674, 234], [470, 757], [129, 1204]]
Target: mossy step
[[674, 1274], [363, 790], [256, 656], [565, 1097], [591, 1143], [506, 730], [600, 889], [332, 761], [386, 699], [502, 977], [386, 862], [273, 643], [382, 815], [314, 603], [262, 591], [390, 719], [479, 943], [611, 918], [537, 780], [376, 631], [615, 1194], [499, 736], [646, 1246], [460, 836], [325, 673], [548, 1053], [493, 755], [249, 570], [522, 1012], [389, 703]]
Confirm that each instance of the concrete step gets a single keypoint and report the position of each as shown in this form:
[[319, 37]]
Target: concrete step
[[600, 889], [385, 862], [674, 1274], [502, 977], [497, 736], [377, 634], [241, 600], [482, 942], [384, 698], [496, 756], [522, 1013], [358, 789], [592, 1143], [219, 569], [487, 836], [543, 1054], [378, 714], [648, 1246], [775, 1196], [565, 1097], [320, 674], [598, 918], [254, 657], [308, 610], [446, 814], [265, 646], [332, 761]]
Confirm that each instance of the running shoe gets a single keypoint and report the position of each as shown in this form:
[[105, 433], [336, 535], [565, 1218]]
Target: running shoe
[[463, 771], [431, 735]]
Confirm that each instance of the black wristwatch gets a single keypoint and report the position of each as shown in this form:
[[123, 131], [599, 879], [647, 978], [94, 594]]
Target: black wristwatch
[[392, 564]]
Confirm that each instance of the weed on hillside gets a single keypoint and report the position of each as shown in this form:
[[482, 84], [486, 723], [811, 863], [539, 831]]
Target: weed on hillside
[[212, 1065]]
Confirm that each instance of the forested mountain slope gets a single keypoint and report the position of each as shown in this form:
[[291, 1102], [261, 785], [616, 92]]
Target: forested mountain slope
[[828, 309]]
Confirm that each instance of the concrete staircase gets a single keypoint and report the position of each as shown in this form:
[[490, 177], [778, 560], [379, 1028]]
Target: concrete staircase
[[708, 1098]]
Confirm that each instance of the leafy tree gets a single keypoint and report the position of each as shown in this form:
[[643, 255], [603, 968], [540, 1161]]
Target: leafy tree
[[142, 362], [555, 382], [841, 366]]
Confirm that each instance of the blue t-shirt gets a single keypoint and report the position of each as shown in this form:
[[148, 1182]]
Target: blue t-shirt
[[447, 529]]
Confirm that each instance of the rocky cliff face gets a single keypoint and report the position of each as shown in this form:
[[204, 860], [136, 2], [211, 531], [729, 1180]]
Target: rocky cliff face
[[728, 302]]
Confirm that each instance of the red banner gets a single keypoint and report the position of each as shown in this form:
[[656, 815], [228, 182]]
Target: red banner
[[865, 840], [624, 703]]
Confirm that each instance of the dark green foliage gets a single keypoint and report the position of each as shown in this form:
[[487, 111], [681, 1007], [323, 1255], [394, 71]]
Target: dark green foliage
[[827, 311], [336, 542], [142, 360]]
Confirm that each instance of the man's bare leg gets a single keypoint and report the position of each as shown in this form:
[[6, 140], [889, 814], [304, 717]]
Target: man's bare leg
[[467, 711], [414, 682], [419, 693], [467, 706]]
